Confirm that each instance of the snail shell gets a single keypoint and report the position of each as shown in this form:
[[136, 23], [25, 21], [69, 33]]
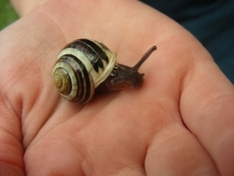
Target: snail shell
[[80, 67], [84, 64]]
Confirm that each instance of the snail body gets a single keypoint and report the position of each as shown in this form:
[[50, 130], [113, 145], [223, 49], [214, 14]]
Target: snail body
[[83, 65]]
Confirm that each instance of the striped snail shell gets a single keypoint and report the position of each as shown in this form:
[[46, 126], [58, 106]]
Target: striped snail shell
[[83, 65]]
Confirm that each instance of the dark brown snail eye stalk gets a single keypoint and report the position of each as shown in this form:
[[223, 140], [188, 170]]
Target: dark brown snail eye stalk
[[144, 58]]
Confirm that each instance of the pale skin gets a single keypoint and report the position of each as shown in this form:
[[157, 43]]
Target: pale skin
[[180, 122]]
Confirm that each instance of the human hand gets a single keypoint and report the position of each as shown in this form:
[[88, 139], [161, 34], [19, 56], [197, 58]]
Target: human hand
[[180, 122]]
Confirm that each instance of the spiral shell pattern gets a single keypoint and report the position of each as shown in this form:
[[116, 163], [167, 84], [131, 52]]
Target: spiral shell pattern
[[81, 66]]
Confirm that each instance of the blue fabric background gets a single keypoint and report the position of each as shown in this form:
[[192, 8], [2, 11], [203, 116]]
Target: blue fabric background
[[211, 21]]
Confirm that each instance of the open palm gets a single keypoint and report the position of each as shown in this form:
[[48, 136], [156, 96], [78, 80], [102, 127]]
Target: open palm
[[180, 122]]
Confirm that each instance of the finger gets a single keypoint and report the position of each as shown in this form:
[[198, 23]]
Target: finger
[[27, 58], [25, 6], [207, 108], [11, 150], [175, 151]]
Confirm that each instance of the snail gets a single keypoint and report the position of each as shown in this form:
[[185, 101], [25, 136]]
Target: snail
[[84, 65]]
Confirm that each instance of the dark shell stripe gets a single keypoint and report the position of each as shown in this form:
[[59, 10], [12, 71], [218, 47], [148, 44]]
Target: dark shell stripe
[[82, 77], [95, 48], [92, 51], [84, 87]]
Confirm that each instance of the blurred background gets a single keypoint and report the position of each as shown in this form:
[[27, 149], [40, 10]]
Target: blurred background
[[7, 14]]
